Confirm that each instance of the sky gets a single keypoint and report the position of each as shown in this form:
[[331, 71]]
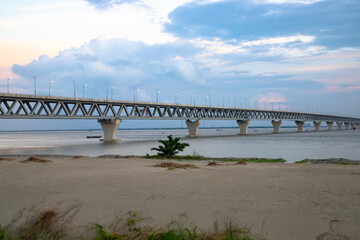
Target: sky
[[293, 54]]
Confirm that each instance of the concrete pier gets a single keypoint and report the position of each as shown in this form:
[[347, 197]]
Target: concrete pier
[[110, 127], [352, 125], [357, 125], [339, 125], [276, 125], [317, 126], [330, 125], [300, 125], [243, 125], [193, 127], [347, 125]]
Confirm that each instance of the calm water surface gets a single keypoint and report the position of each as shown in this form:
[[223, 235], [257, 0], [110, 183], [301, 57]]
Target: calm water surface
[[260, 142]]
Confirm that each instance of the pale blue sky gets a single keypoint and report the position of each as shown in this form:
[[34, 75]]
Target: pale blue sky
[[293, 52]]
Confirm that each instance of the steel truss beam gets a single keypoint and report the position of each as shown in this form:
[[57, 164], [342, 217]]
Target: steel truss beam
[[15, 106]]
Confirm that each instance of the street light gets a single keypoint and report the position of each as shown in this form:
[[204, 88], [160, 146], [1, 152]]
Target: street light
[[85, 85], [157, 95], [34, 85], [135, 93], [230, 100], [8, 84], [74, 88], [112, 88], [207, 97], [107, 91], [50, 85], [193, 98], [177, 98]]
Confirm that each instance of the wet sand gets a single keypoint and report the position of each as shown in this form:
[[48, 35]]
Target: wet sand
[[291, 201]]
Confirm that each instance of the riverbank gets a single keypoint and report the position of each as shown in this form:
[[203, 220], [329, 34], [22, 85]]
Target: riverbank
[[290, 201]]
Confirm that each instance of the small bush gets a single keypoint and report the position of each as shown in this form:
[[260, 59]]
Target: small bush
[[171, 147]]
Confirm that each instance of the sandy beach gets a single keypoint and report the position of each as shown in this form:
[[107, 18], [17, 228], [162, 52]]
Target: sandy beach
[[291, 201]]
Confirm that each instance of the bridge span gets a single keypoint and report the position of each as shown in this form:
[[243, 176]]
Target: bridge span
[[109, 113]]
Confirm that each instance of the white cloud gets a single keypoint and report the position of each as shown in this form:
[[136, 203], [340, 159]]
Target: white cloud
[[271, 97], [288, 1], [279, 40]]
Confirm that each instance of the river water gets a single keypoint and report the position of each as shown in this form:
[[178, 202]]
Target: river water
[[224, 142]]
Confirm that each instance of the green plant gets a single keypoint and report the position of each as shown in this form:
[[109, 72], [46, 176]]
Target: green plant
[[235, 233], [171, 147], [5, 234], [101, 234]]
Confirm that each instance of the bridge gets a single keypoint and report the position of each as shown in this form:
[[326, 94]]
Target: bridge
[[109, 113]]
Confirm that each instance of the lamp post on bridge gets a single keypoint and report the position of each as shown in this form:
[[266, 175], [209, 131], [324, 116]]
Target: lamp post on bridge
[[8, 84], [176, 98], [51, 82], [34, 85], [74, 89], [84, 86], [111, 92], [192, 99], [157, 95], [230, 100], [206, 98]]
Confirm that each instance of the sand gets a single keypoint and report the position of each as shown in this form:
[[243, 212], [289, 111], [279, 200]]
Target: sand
[[290, 201]]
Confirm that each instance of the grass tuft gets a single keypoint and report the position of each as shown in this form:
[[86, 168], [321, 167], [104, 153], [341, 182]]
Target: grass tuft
[[202, 158], [78, 157], [241, 163], [213, 163], [172, 165], [5, 159], [35, 159], [302, 161]]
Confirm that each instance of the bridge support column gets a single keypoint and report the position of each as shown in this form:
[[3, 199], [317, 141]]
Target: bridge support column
[[193, 127], [339, 125], [346, 125], [276, 125], [317, 126], [300, 125], [357, 125], [330, 125], [243, 125], [352, 125], [109, 127]]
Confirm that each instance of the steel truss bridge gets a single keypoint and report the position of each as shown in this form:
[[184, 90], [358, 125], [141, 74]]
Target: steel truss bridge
[[19, 106]]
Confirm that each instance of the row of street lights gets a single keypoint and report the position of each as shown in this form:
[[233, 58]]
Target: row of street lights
[[220, 100], [136, 90]]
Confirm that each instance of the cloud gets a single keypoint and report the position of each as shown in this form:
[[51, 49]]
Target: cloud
[[187, 67], [271, 97], [104, 4], [330, 23], [116, 62]]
